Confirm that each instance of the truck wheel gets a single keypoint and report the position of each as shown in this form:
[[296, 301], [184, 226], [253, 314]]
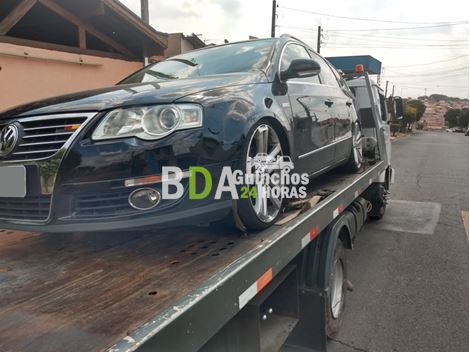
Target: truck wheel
[[378, 203], [336, 292], [378, 210]]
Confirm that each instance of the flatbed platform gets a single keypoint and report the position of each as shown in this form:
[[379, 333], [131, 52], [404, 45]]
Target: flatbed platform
[[124, 291]]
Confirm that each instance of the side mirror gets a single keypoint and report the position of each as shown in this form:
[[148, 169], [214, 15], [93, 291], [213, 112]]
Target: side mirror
[[301, 68], [398, 105]]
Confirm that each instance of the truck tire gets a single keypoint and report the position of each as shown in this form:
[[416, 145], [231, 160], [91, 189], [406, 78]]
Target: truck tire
[[378, 202], [378, 210], [336, 293]]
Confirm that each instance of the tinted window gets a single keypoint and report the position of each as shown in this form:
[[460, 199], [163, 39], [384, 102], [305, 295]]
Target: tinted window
[[326, 74], [237, 57], [293, 52]]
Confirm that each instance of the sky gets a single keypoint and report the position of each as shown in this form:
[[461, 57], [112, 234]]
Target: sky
[[423, 45]]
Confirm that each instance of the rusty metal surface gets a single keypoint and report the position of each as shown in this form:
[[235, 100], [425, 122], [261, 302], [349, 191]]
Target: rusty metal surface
[[91, 290]]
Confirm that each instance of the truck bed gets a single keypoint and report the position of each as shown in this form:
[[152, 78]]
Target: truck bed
[[126, 291]]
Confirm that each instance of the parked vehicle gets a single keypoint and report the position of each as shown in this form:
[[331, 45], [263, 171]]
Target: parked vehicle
[[93, 160], [282, 290]]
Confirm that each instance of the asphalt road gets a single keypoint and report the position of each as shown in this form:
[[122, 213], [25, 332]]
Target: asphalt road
[[410, 270]]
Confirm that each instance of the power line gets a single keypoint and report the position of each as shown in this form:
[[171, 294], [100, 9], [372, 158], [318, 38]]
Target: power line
[[373, 36], [431, 63], [369, 41], [369, 29], [348, 46], [396, 29], [298, 28], [427, 73], [433, 86], [364, 19]]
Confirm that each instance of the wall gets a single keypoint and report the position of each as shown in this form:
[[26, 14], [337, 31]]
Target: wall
[[174, 44], [186, 46], [28, 74]]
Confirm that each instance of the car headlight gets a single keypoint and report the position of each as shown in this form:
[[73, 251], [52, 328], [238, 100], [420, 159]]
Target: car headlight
[[150, 123]]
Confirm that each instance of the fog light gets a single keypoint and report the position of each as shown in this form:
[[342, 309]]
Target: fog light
[[144, 198]]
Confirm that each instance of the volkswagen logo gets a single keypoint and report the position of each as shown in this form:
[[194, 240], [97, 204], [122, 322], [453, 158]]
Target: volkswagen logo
[[9, 136]]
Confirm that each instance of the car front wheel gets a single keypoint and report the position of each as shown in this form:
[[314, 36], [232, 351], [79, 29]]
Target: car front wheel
[[261, 208]]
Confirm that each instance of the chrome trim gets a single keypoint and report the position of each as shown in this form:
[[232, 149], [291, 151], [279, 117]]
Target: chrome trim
[[282, 53], [41, 143], [49, 135], [47, 173], [9, 136], [44, 127], [36, 152], [324, 147], [307, 83]]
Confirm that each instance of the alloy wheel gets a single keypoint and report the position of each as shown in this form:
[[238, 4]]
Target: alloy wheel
[[264, 141], [357, 145]]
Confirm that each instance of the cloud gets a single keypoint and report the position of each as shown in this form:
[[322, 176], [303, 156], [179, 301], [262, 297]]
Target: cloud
[[235, 20]]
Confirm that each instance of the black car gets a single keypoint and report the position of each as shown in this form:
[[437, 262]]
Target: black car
[[93, 160]]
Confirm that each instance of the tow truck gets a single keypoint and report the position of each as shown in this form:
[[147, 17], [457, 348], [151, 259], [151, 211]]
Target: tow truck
[[198, 288]]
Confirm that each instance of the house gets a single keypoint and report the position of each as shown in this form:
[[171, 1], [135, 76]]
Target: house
[[179, 43], [53, 47]]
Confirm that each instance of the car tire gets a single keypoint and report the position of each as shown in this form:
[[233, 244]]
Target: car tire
[[336, 293], [249, 210], [356, 157]]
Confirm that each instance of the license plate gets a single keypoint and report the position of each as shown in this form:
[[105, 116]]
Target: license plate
[[12, 182]]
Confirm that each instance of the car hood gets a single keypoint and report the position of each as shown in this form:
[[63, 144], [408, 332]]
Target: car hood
[[132, 95]]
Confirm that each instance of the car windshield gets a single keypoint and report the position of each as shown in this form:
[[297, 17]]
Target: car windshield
[[238, 57]]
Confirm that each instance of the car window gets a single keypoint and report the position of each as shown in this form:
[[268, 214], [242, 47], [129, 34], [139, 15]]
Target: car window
[[294, 52], [326, 73]]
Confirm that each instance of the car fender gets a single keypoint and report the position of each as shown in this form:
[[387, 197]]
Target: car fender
[[230, 113]]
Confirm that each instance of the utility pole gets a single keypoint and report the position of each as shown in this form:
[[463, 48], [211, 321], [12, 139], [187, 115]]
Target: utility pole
[[319, 39], [273, 20], [144, 13], [425, 92]]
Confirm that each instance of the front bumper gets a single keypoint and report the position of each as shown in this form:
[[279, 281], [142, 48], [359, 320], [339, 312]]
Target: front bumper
[[82, 186]]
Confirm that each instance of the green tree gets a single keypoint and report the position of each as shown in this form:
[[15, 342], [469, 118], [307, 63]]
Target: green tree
[[457, 118], [409, 117], [452, 117], [419, 106], [464, 118]]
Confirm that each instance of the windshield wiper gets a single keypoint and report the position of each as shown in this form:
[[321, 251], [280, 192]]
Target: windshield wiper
[[183, 61], [159, 75]]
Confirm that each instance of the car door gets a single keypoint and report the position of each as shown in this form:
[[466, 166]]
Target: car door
[[310, 115], [342, 110]]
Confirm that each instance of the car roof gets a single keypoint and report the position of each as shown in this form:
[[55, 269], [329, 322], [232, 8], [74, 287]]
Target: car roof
[[283, 38]]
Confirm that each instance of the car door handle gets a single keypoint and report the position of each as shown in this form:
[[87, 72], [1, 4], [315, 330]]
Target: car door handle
[[349, 103], [328, 103]]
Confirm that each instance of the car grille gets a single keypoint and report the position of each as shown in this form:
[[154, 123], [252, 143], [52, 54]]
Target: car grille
[[29, 208], [102, 205], [44, 136]]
